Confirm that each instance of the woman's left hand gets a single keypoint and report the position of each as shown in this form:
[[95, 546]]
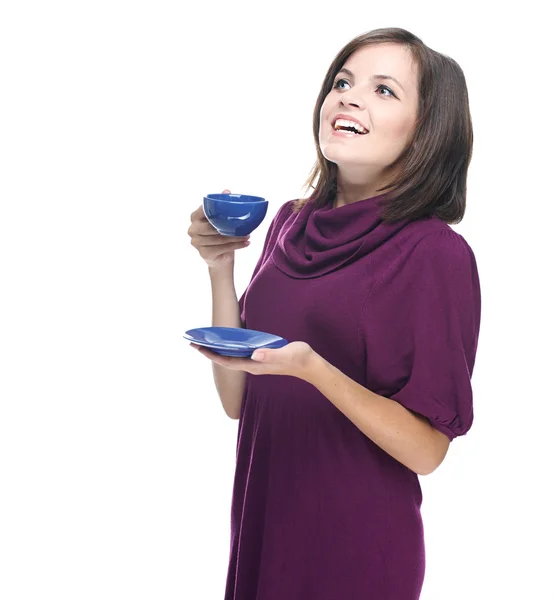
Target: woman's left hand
[[295, 359]]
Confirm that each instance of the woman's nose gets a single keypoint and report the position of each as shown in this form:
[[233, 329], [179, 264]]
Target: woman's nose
[[353, 99]]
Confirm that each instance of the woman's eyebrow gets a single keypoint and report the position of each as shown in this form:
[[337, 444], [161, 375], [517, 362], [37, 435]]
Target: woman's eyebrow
[[348, 72]]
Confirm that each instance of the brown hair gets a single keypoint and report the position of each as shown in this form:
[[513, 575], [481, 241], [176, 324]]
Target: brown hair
[[431, 172]]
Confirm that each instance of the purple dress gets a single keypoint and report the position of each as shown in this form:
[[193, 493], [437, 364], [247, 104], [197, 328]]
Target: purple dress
[[319, 511]]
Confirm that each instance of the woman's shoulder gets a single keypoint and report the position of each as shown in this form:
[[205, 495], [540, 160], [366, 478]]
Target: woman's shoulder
[[283, 211], [431, 250], [276, 226], [433, 238], [286, 208], [281, 216]]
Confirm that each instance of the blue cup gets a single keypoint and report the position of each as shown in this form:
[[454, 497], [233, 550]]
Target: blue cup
[[234, 214]]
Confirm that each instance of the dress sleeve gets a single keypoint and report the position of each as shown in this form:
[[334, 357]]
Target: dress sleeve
[[268, 246], [440, 320]]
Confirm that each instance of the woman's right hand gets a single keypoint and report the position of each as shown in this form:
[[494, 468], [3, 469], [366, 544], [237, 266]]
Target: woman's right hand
[[217, 250]]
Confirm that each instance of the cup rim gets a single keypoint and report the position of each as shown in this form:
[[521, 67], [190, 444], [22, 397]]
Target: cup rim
[[259, 199]]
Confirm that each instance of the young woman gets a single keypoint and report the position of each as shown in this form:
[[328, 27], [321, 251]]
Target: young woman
[[379, 298]]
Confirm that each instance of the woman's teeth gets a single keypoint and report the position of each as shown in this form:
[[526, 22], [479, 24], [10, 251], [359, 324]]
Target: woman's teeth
[[343, 124]]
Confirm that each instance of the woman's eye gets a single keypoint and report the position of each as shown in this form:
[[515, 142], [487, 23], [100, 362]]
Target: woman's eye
[[384, 87], [337, 83]]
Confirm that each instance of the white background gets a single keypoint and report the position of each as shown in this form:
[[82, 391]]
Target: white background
[[116, 458]]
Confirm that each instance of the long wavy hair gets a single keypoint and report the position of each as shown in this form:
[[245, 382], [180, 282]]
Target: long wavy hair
[[430, 175]]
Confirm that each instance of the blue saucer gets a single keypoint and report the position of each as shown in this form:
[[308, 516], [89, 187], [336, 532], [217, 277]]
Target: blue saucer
[[233, 341]]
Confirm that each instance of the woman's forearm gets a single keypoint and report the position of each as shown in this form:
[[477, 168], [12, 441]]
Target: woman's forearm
[[225, 313], [406, 436]]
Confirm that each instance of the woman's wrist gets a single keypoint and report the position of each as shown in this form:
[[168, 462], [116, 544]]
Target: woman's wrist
[[222, 272]]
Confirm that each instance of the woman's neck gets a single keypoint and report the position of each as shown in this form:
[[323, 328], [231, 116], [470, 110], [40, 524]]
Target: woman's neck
[[353, 195]]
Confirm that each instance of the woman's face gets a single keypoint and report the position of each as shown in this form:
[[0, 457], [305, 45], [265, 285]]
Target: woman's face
[[387, 110]]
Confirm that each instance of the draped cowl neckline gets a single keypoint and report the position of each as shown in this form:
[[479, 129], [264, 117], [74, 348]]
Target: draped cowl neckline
[[316, 241]]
